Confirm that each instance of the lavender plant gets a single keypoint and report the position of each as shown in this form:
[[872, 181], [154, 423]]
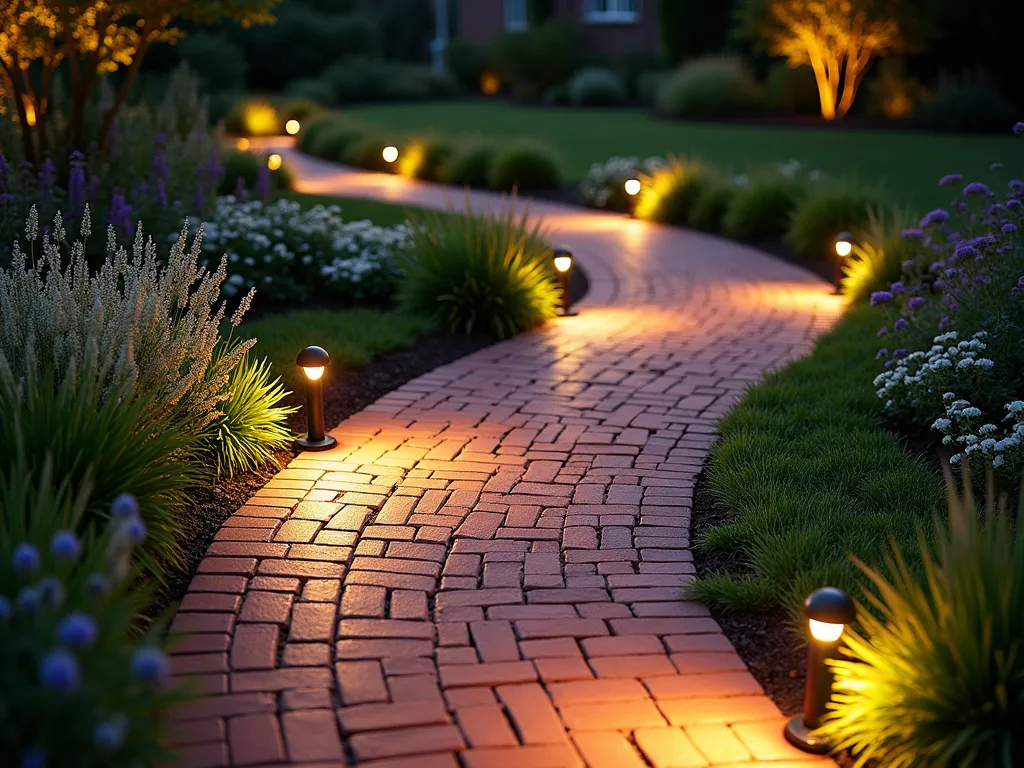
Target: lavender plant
[[956, 320]]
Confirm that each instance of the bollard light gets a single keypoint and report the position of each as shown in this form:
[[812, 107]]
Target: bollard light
[[632, 187], [274, 161], [828, 611], [292, 127], [562, 258], [313, 361], [390, 154], [844, 247], [242, 144]]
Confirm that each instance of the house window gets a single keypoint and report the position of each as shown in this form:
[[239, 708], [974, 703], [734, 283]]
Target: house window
[[611, 11], [515, 15]]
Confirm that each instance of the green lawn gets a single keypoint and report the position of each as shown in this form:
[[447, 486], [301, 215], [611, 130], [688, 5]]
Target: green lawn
[[353, 208], [910, 164]]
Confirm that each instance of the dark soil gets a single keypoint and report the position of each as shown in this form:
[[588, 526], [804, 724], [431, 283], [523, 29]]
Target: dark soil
[[347, 393]]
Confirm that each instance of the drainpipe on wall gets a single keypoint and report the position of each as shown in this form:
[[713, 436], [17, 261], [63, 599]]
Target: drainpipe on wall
[[439, 45]]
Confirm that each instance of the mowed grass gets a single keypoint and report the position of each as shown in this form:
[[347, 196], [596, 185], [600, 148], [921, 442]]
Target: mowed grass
[[353, 208], [908, 163], [810, 476]]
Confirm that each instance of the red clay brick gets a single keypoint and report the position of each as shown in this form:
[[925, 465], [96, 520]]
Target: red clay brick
[[531, 710], [255, 739], [669, 748], [312, 735], [312, 621], [254, 646], [607, 749], [377, 717], [408, 741]]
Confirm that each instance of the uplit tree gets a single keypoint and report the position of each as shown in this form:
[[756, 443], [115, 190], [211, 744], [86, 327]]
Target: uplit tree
[[837, 38], [88, 39]]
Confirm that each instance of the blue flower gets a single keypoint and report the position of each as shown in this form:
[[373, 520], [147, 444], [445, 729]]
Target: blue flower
[[1014, 205], [77, 630], [882, 353], [880, 297], [1018, 128], [1016, 186], [912, 234], [977, 189], [5, 608], [96, 585], [897, 288], [916, 302], [28, 599], [33, 758], [109, 735], [65, 545], [900, 325], [938, 216], [150, 665], [1009, 229], [951, 179], [135, 530], [124, 507], [26, 558], [898, 353], [59, 671], [907, 265], [882, 331]]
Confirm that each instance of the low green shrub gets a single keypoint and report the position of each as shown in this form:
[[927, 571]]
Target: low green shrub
[[300, 109], [489, 273], [933, 673], [470, 165], [669, 195], [833, 208], [793, 90], [713, 200], [538, 60], [892, 93], [335, 141], [424, 157], [81, 685], [313, 130], [715, 87], [467, 62], [761, 209], [368, 153], [312, 88], [596, 87], [970, 104], [247, 167], [526, 165], [808, 476]]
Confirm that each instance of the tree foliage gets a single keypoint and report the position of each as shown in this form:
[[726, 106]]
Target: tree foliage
[[692, 28], [837, 38], [89, 39]]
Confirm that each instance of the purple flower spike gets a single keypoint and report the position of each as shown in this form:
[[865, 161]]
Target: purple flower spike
[[936, 266], [977, 189], [907, 265], [951, 179], [880, 297], [898, 353], [900, 325], [916, 302], [938, 216], [912, 234]]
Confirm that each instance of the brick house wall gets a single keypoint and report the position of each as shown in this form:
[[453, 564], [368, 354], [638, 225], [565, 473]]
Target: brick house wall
[[481, 20]]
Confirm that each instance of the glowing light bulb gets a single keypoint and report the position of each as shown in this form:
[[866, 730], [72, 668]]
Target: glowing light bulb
[[844, 247], [274, 162], [390, 154], [563, 263], [292, 127], [633, 187], [242, 144], [314, 373], [824, 632]]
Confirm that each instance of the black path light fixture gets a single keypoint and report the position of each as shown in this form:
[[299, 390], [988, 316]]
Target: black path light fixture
[[828, 611], [563, 261], [313, 361], [844, 247], [632, 187]]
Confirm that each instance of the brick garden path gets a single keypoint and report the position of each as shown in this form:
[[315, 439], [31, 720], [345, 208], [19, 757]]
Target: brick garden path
[[488, 571]]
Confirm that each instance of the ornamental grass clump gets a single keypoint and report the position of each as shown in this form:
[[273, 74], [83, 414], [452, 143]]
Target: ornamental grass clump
[[934, 674], [470, 164], [879, 254], [668, 195], [486, 273], [80, 686]]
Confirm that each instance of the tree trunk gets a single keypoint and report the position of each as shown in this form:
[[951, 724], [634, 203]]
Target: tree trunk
[[856, 67], [821, 77], [122, 94], [27, 146]]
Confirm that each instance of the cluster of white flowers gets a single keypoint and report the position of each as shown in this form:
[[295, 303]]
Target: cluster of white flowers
[[920, 376], [604, 180], [287, 251], [961, 427]]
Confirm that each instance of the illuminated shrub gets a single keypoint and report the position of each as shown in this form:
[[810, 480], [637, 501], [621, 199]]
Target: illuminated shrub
[[424, 157], [488, 273], [713, 200], [668, 196]]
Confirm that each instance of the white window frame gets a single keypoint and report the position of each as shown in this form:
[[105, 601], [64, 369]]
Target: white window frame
[[611, 11], [515, 15]]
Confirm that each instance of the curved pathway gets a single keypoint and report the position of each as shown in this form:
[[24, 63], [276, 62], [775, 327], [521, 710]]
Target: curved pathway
[[487, 571]]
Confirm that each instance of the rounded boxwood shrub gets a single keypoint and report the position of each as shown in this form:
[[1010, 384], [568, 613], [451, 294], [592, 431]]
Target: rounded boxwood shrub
[[527, 165], [470, 165], [761, 209], [716, 86], [334, 142], [713, 200], [596, 87], [368, 153], [299, 109], [313, 130], [962, 106], [424, 157], [833, 208], [669, 194]]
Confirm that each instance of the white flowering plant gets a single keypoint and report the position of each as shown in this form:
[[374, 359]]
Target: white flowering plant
[[80, 684], [604, 184], [288, 252]]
